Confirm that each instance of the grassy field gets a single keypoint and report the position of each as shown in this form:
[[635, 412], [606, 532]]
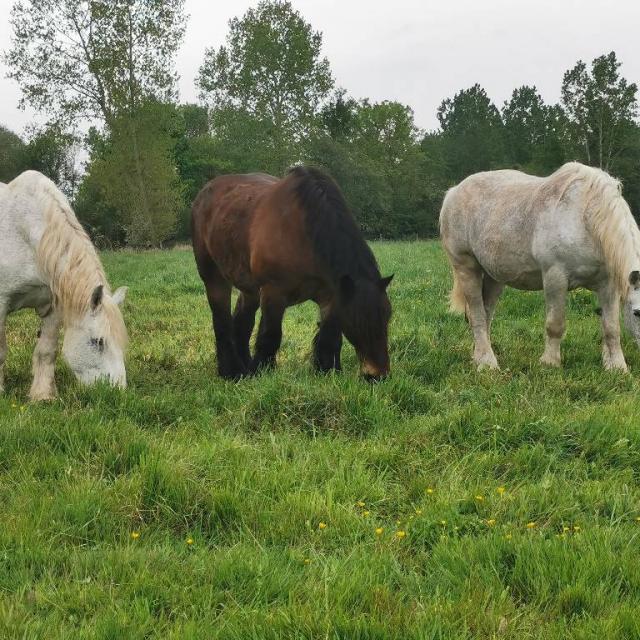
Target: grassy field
[[442, 503]]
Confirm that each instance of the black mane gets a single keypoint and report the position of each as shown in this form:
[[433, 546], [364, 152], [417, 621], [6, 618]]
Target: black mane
[[334, 233]]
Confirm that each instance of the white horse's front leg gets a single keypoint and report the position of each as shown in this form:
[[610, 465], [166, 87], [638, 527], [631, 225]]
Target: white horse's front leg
[[612, 356], [43, 386], [555, 297], [471, 281]]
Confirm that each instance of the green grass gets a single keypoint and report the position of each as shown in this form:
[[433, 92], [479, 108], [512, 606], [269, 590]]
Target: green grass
[[249, 470]]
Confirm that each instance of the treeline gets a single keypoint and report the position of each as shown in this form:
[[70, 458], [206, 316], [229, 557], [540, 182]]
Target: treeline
[[267, 100]]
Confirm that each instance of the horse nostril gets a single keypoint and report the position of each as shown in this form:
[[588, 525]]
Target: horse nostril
[[636, 313]]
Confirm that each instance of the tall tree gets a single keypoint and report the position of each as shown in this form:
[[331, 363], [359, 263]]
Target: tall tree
[[106, 60], [601, 107], [271, 73], [142, 190], [533, 131], [472, 132], [94, 58]]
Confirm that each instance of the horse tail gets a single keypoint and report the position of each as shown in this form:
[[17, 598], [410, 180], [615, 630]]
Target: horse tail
[[457, 301]]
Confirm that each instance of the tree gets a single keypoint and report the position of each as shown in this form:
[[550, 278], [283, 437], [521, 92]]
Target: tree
[[142, 192], [271, 75], [533, 131], [472, 132], [12, 155], [53, 152], [94, 58], [372, 150], [601, 107]]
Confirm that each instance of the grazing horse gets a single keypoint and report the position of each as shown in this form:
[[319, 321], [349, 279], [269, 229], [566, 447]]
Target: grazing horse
[[48, 263], [282, 242], [571, 229]]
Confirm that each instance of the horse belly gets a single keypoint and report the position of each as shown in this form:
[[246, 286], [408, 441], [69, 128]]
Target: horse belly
[[509, 262]]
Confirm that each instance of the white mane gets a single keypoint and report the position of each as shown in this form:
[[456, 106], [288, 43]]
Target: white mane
[[608, 218], [67, 257]]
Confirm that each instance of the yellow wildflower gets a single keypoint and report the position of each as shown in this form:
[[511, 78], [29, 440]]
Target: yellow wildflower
[[491, 522], [531, 525], [307, 561], [576, 527], [135, 535], [443, 523], [500, 490], [360, 503], [189, 541], [418, 512], [322, 525], [429, 490], [480, 498], [379, 531], [365, 513], [401, 534]]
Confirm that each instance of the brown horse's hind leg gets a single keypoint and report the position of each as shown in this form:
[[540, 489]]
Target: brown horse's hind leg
[[327, 343], [230, 365], [244, 317], [269, 337]]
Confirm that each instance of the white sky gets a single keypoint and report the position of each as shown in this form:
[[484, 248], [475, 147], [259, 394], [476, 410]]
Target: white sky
[[419, 52]]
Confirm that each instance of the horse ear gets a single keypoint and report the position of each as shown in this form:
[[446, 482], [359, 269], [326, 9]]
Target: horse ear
[[347, 287], [119, 295], [96, 296], [385, 282], [634, 278]]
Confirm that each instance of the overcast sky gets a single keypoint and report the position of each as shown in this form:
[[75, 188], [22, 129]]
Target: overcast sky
[[420, 51]]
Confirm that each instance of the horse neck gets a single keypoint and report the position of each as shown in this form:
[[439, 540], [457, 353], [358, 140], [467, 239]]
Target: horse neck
[[614, 229], [68, 261]]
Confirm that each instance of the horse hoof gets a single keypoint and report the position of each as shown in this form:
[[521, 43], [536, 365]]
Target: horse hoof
[[550, 362], [42, 397], [613, 366], [487, 362]]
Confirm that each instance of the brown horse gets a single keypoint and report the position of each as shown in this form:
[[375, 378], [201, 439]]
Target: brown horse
[[282, 242]]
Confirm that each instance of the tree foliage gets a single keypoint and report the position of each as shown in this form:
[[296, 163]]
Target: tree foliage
[[473, 129], [269, 77], [266, 104], [12, 155], [601, 108], [94, 58]]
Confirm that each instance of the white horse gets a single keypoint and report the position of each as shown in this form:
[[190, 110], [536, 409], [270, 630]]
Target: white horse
[[48, 263], [571, 229]]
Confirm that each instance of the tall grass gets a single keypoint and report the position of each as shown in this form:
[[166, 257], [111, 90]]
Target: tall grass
[[454, 504]]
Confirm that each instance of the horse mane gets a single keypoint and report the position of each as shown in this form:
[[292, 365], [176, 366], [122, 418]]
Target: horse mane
[[67, 258], [608, 218], [332, 229]]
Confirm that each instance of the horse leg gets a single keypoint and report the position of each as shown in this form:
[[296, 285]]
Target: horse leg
[[327, 342], [244, 317], [612, 356], [43, 386], [470, 277], [272, 306], [230, 365], [555, 295], [491, 291]]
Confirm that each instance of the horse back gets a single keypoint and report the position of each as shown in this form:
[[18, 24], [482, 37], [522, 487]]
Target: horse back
[[252, 227]]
